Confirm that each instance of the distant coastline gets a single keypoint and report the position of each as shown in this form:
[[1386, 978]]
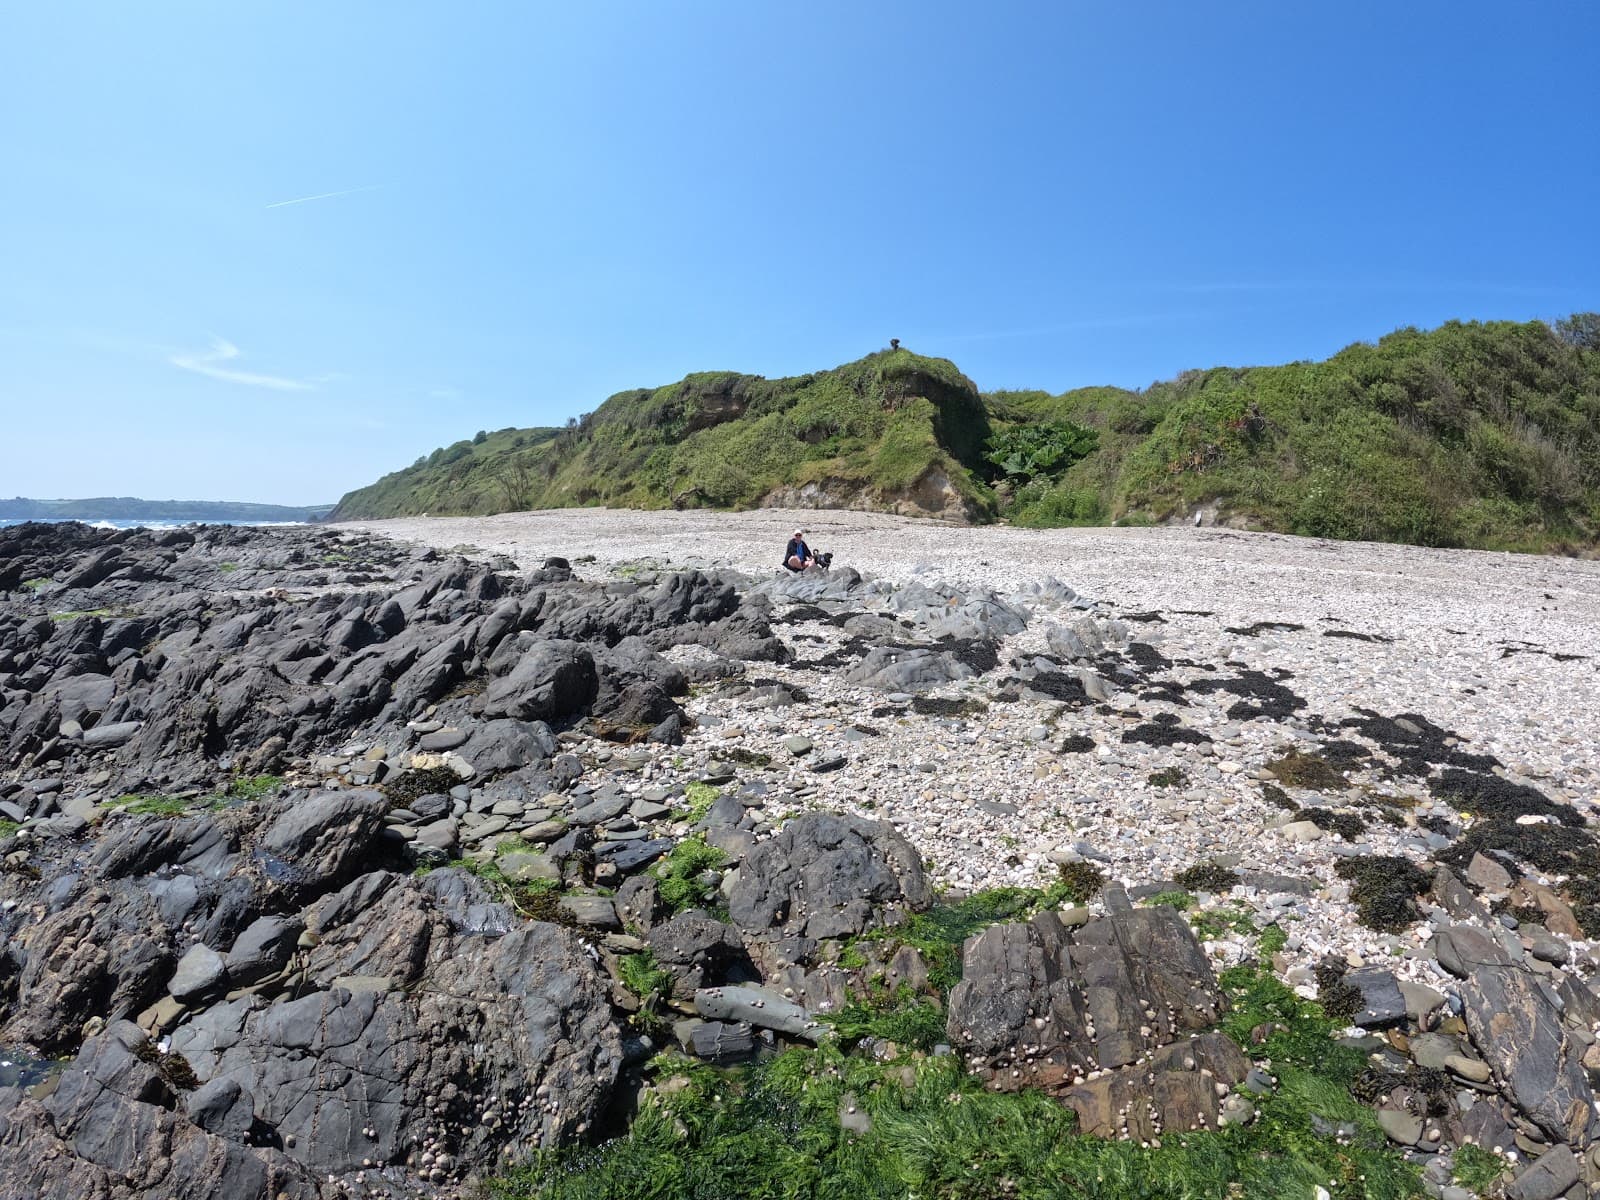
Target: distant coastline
[[127, 509]]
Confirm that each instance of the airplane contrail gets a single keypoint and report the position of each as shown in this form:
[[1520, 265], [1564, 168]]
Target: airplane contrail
[[326, 195]]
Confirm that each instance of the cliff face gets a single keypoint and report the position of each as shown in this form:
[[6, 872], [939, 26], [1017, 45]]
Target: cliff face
[[1483, 435]]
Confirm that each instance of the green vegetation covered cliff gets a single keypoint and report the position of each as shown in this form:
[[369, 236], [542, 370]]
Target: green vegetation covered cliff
[[893, 430], [1473, 434]]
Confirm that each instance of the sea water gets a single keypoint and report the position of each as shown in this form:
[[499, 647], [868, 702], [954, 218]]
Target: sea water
[[103, 523]]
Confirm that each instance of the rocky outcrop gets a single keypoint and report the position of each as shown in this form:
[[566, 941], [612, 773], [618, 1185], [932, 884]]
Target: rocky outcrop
[[123, 1122], [418, 1041], [241, 647], [826, 877], [1107, 1016]]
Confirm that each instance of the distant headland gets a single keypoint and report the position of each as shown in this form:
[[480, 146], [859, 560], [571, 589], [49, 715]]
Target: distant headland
[[129, 508]]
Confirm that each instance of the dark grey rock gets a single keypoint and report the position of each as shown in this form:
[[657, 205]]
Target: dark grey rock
[[1462, 949], [1549, 1177], [630, 856], [1518, 1032], [104, 951], [1382, 1004], [104, 737], [262, 949], [639, 901], [200, 972], [92, 1137], [499, 1015], [722, 1042], [828, 876], [591, 912], [321, 841], [601, 808], [506, 745], [699, 952], [222, 1107], [1136, 978], [553, 679], [441, 740]]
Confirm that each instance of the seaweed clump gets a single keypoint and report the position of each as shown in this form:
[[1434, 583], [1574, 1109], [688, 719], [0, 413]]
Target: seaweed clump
[[1260, 695], [1163, 729], [1079, 881], [1206, 877], [1077, 743], [938, 706], [1429, 1091], [1278, 798], [1554, 849], [413, 785], [171, 1066], [1340, 1001], [1384, 890], [1486, 795], [1416, 742], [1299, 769], [1347, 825]]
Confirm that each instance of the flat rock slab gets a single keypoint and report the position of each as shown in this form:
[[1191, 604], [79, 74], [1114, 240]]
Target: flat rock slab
[[601, 809], [760, 1007], [1381, 1001], [1400, 1126], [591, 912], [104, 737], [1463, 949], [1518, 1032], [630, 856], [442, 740], [721, 1041], [1548, 1178]]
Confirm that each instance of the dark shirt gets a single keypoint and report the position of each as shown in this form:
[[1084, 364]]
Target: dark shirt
[[796, 549]]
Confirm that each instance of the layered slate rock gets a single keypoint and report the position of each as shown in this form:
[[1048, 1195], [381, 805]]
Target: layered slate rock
[[1518, 1031], [116, 1125], [253, 647], [322, 840], [105, 950], [423, 1020], [827, 876], [1100, 1016]]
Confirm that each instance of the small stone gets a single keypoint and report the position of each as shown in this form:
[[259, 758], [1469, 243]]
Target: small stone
[[199, 972], [1302, 831], [1401, 1127], [1468, 1068]]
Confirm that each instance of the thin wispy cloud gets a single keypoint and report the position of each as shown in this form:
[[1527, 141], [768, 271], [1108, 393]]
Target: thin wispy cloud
[[209, 363], [324, 196]]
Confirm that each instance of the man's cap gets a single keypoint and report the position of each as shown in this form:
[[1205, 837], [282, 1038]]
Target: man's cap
[[799, 533]]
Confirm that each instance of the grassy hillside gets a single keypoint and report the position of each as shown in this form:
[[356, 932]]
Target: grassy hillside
[[873, 432], [1484, 435], [1473, 434]]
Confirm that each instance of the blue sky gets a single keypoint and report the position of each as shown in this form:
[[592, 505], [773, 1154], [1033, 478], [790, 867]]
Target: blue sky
[[524, 208]]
